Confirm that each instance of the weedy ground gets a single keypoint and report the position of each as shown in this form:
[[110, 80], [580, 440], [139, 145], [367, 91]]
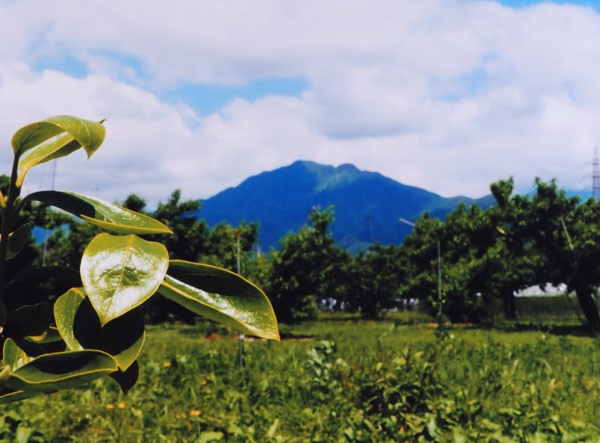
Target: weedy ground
[[340, 379]]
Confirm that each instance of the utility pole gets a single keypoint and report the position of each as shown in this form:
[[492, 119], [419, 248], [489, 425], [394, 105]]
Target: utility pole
[[596, 176]]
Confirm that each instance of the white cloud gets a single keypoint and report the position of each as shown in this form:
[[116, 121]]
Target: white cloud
[[447, 95]]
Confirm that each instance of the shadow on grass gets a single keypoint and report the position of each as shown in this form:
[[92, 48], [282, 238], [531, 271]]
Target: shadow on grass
[[548, 328]]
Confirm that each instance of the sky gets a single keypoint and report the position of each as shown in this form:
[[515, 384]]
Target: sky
[[446, 95]]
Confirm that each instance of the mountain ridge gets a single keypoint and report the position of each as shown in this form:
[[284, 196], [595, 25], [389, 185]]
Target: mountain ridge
[[367, 204]]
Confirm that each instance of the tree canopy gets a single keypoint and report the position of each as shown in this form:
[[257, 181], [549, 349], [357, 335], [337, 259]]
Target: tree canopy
[[480, 255]]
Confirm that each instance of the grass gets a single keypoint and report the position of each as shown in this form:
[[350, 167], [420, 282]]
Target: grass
[[341, 379]]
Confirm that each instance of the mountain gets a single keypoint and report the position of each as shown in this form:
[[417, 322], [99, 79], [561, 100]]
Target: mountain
[[367, 205]]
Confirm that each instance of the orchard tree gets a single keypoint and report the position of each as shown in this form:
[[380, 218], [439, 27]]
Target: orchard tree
[[522, 260], [449, 263], [420, 261], [231, 247], [308, 267], [473, 259], [190, 235], [257, 268], [563, 232], [376, 276], [477, 259]]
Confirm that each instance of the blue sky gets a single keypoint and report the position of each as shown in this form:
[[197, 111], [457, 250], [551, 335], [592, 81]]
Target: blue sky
[[209, 98], [447, 95], [205, 98]]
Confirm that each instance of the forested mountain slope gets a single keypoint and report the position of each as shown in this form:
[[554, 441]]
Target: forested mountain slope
[[367, 204]]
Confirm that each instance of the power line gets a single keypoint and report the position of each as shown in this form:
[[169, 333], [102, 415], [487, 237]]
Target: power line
[[46, 233]]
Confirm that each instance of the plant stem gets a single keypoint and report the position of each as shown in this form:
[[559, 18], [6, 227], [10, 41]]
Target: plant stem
[[7, 221]]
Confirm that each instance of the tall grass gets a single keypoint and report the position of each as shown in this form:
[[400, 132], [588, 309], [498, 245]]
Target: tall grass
[[335, 381]]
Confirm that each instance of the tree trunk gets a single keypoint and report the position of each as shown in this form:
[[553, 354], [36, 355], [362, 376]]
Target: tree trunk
[[510, 304], [588, 307]]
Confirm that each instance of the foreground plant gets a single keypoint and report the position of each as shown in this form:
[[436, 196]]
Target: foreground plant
[[96, 328]]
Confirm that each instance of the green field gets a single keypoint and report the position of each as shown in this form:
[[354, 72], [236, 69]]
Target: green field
[[339, 380]]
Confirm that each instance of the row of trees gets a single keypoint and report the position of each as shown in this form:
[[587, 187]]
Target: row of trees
[[521, 241]]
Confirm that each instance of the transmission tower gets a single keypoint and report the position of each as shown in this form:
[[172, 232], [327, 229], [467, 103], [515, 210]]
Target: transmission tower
[[596, 176]]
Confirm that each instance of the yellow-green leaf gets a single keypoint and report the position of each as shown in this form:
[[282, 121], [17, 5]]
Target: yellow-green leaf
[[9, 395], [50, 336], [61, 370], [121, 272], [221, 295], [65, 308], [13, 356], [32, 135], [108, 216], [79, 325], [54, 138]]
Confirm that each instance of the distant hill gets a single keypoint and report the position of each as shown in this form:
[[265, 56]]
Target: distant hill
[[367, 205]]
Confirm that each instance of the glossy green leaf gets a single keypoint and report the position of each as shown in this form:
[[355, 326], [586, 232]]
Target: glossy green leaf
[[108, 216], [50, 336], [32, 135], [65, 308], [61, 370], [221, 295], [121, 272], [54, 138], [17, 240], [13, 356], [48, 373], [79, 325], [8, 395]]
